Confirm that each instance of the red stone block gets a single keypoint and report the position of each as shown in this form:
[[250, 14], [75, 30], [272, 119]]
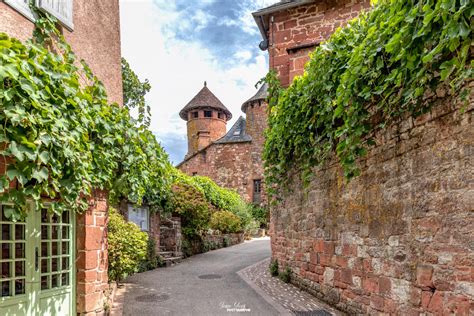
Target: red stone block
[[436, 304], [328, 248], [340, 285], [94, 238], [458, 305], [346, 275], [370, 284], [424, 274], [87, 260], [377, 302], [426, 298], [313, 258], [318, 245], [289, 24], [390, 306], [341, 261], [325, 260], [385, 286]]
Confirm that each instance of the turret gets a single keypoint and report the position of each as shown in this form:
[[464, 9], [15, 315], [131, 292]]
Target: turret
[[206, 118], [255, 110]]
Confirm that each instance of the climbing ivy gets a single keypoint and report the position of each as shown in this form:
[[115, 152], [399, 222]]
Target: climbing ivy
[[60, 138], [382, 65]]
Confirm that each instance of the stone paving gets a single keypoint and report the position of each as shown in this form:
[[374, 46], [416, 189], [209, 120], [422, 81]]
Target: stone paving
[[292, 299]]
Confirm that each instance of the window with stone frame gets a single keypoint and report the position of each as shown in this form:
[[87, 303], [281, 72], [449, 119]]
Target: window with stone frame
[[207, 113], [257, 191], [220, 115], [195, 114]]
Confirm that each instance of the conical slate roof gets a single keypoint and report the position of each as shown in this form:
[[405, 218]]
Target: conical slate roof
[[261, 95], [204, 99]]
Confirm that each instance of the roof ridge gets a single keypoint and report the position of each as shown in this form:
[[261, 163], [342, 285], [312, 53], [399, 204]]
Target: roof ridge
[[204, 99]]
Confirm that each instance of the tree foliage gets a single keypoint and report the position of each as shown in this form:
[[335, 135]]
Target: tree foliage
[[134, 92], [382, 64], [226, 222]]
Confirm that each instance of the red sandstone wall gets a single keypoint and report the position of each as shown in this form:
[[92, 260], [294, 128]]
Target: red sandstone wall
[[96, 38], [203, 131], [311, 23], [397, 239], [91, 262], [256, 117], [226, 164]]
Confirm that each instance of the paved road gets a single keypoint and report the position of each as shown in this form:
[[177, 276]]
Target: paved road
[[205, 284]]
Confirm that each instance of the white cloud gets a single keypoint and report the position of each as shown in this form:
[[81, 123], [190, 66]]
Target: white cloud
[[177, 69]]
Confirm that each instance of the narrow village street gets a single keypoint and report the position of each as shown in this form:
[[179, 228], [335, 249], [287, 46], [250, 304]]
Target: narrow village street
[[220, 282]]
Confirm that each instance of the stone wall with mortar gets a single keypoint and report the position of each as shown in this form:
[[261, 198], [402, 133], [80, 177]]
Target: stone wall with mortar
[[398, 239], [171, 237], [226, 164], [257, 122], [91, 256], [295, 32]]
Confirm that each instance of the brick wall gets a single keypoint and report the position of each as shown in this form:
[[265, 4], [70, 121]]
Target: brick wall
[[96, 38], [398, 238], [91, 256], [296, 28]]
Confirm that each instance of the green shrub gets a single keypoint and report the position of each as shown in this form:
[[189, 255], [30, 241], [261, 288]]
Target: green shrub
[[274, 268], [189, 202], [127, 246], [226, 222], [152, 259], [259, 214], [285, 275], [226, 242]]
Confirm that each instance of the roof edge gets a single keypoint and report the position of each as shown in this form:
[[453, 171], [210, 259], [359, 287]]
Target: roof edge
[[258, 15]]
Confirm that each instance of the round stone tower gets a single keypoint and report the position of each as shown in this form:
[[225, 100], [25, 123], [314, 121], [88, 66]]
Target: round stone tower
[[255, 110], [206, 118]]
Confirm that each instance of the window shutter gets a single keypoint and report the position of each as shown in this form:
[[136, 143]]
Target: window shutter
[[61, 9], [22, 7]]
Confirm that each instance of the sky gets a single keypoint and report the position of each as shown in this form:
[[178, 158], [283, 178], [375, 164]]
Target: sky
[[177, 45]]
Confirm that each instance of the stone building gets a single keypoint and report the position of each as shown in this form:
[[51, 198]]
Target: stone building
[[232, 159], [72, 280], [397, 240]]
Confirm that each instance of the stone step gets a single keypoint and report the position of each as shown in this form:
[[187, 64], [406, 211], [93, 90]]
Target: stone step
[[172, 261], [166, 254]]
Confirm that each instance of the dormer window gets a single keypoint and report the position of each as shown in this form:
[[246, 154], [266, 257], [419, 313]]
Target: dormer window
[[207, 113], [237, 132], [195, 114]]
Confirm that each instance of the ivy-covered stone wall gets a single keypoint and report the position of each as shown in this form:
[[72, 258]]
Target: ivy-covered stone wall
[[398, 238]]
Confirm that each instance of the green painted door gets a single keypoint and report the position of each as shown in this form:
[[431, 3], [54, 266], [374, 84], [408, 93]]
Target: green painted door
[[36, 264]]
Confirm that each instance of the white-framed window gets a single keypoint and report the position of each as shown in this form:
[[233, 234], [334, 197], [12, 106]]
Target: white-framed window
[[139, 215], [22, 6], [61, 9]]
